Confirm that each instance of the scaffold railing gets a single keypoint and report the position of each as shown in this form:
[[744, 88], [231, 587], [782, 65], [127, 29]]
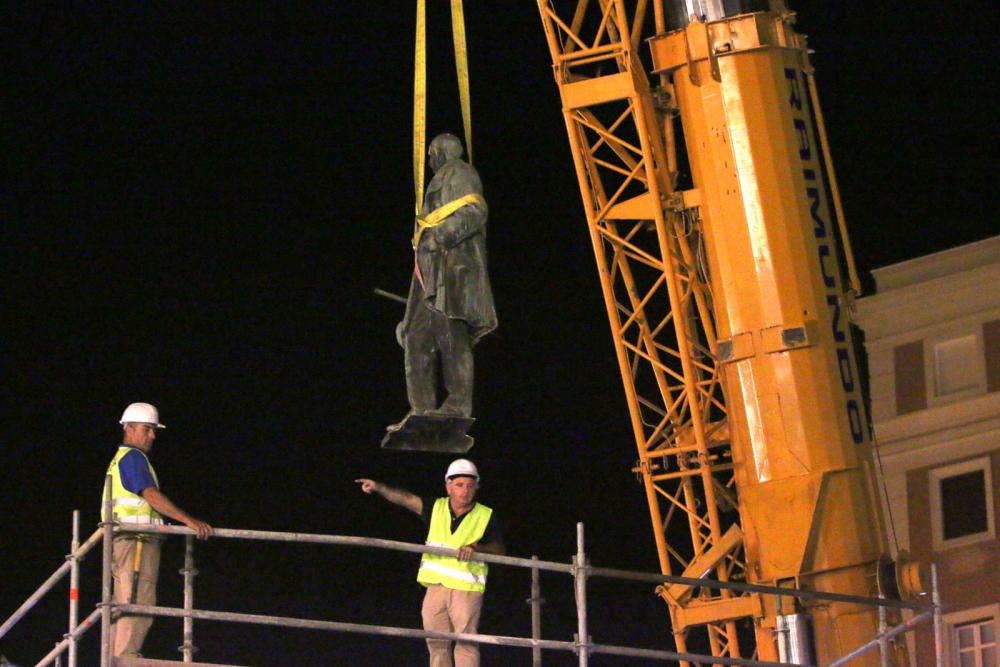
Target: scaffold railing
[[579, 569]]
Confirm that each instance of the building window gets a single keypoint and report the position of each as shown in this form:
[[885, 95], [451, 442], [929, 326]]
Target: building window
[[959, 363], [972, 637], [962, 503], [976, 643], [956, 365]]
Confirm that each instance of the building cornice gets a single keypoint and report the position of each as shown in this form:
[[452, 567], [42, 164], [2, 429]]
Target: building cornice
[[938, 301], [938, 265], [937, 424]]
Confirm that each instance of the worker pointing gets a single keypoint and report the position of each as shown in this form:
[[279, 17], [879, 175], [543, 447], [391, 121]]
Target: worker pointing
[[455, 584], [136, 499]]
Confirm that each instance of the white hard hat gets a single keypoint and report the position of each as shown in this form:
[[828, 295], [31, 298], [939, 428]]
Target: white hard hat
[[142, 413], [462, 468]]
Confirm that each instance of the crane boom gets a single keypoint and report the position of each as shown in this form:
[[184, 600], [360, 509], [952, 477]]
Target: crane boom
[[728, 310]]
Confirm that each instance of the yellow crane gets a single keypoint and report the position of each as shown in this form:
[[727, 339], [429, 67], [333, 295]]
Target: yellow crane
[[728, 292]]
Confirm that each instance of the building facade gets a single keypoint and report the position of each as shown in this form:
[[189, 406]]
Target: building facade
[[932, 336]]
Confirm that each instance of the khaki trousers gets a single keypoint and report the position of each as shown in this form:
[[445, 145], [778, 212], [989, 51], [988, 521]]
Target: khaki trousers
[[128, 632], [448, 610]]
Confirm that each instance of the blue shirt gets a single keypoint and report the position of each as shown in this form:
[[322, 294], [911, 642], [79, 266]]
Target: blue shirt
[[134, 471]]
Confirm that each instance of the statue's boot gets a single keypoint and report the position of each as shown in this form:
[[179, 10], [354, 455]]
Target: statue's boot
[[451, 410]]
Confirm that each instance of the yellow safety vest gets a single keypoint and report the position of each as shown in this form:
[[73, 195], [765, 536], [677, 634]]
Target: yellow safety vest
[[125, 505], [446, 570]]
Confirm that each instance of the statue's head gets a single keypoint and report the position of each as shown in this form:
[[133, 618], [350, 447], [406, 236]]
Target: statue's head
[[444, 147]]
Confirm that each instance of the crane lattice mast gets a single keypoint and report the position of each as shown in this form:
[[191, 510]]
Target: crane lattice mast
[[650, 259]]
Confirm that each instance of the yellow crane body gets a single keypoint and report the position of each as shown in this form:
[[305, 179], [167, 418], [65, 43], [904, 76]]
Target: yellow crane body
[[729, 309], [799, 432]]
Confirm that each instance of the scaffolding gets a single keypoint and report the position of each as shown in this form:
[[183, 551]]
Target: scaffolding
[[579, 569]]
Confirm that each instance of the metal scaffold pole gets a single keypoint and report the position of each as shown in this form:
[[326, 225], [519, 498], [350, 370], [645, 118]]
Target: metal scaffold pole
[[74, 588], [874, 643], [28, 604], [106, 577], [883, 643], [938, 618], [54, 654], [188, 648], [536, 614], [580, 581], [49, 584]]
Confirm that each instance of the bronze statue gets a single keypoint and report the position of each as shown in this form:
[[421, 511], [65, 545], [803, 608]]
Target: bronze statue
[[450, 305]]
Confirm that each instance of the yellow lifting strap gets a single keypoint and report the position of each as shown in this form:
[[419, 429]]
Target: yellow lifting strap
[[420, 103], [438, 215], [462, 69], [420, 90]]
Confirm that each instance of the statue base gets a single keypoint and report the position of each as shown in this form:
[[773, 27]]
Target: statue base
[[430, 433]]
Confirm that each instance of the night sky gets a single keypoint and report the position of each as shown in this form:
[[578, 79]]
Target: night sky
[[198, 201]]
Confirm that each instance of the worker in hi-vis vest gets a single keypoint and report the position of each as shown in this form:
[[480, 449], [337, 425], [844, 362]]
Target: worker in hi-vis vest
[[455, 584], [136, 499]]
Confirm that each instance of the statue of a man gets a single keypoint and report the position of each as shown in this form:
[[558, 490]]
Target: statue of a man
[[450, 305]]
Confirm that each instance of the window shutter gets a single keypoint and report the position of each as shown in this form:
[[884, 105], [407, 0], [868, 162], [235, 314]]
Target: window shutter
[[911, 383], [991, 349]]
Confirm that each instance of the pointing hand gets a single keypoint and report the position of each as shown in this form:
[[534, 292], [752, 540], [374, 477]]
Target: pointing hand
[[367, 485]]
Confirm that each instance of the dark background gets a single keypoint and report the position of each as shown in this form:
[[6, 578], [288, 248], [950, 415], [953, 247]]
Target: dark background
[[199, 200]]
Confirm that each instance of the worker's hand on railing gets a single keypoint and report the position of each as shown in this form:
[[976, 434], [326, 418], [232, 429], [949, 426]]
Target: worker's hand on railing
[[203, 530]]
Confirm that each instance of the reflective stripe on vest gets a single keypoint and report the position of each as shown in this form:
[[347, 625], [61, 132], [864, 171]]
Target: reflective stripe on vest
[[126, 506], [447, 570]]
